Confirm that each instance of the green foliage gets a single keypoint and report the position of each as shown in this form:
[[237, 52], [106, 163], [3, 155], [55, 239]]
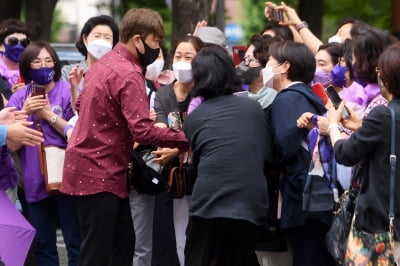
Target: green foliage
[[162, 8], [374, 12], [254, 20], [56, 25], [377, 13]]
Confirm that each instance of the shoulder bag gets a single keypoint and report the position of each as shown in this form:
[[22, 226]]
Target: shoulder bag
[[51, 165], [181, 178], [146, 176], [364, 248]]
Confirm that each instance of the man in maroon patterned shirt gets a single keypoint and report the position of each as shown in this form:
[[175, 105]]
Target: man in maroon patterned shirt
[[113, 113]]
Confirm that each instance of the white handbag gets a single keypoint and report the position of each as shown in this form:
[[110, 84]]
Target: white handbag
[[51, 166]]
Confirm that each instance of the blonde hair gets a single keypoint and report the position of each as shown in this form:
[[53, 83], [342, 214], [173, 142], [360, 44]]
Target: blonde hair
[[141, 21]]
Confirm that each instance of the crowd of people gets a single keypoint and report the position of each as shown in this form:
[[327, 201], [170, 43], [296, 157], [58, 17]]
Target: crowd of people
[[244, 130]]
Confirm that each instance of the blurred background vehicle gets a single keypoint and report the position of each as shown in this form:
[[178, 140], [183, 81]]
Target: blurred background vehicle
[[68, 53]]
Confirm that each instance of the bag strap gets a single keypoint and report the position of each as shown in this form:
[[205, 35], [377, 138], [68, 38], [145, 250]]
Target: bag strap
[[171, 177], [392, 160], [42, 154]]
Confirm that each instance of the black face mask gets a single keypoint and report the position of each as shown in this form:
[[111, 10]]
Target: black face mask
[[247, 74], [149, 55]]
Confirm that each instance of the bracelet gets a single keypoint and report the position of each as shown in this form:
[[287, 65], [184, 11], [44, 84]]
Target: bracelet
[[331, 126], [301, 25]]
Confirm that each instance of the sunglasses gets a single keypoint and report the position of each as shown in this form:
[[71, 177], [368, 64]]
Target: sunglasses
[[12, 41]]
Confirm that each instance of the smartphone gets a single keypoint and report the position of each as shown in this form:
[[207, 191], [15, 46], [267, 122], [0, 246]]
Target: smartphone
[[277, 13], [38, 90], [238, 52], [336, 100]]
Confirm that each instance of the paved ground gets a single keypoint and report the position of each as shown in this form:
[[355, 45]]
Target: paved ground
[[62, 251]]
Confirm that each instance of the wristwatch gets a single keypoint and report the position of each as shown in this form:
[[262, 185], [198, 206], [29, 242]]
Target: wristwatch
[[301, 25], [53, 119]]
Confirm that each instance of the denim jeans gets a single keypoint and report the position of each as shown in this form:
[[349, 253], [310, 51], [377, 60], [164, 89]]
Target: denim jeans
[[45, 216]]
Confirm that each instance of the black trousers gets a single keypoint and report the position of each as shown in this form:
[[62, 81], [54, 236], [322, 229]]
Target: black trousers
[[220, 242], [164, 243], [108, 237], [308, 244]]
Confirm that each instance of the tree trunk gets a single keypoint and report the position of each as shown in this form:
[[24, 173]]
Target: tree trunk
[[10, 9], [39, 16], [396, 18], [312, 12], [186, 14]]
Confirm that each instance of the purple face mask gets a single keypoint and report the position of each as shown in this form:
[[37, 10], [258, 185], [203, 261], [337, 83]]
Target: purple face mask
[[338, 75], [13, 52], [322, 77], [42, 76]]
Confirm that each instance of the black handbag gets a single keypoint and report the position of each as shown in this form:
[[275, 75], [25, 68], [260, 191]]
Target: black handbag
[[145, 175], [338, 233], [341, 230]]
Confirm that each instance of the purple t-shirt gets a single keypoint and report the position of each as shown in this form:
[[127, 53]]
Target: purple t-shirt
[[10, 75], [60, 101]]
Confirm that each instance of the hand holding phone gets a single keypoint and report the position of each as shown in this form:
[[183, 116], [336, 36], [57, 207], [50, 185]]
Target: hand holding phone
[[336, 100], [275, 13], [38, 90], [238, 52]]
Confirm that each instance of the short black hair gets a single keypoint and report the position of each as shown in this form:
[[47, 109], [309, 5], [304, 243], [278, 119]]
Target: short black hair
[[282, 32], [334, 49], [88, 27], [359, 26], [261, 45], [368, 45], [10, 26], [346, 21], [214, 73], [300, 57], [30, 53], [196, 42]]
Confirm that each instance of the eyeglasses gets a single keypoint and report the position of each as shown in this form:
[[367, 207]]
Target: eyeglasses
[[248, 60], [37, 63], [12, 41]]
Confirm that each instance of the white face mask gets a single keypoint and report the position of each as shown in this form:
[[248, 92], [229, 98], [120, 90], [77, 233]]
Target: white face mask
[[335, 38], [98, 47], [268, 77], [183, 71], [154, 69]]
